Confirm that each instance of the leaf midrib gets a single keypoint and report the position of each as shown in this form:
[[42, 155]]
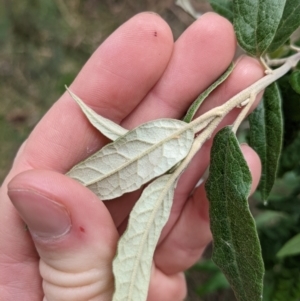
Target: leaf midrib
[[141, 155], [146, 232], [264, 183], [229, 222]]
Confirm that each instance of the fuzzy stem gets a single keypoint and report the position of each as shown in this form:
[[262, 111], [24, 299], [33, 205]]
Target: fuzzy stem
[[254, 89], [243, 114]]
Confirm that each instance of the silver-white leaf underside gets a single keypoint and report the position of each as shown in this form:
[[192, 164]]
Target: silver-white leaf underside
[[132, 265], [107, 127], [134, 159]]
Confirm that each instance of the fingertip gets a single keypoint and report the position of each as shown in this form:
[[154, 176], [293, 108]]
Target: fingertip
[[136, 54], [219, 25], [249, 67], [246, 72], [254, 164], [37, 191], [220, 32], [213, 34], [156, 25]]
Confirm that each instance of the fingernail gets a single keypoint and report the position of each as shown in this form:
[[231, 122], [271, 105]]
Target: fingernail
[[45, 218]]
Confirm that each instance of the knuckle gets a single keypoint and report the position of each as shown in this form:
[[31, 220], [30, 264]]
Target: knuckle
[[69, 286]]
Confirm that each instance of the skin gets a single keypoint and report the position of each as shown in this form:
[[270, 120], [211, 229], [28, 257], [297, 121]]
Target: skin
[[138, 74]]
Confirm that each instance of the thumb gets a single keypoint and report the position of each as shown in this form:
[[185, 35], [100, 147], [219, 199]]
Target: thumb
[[73, 233]]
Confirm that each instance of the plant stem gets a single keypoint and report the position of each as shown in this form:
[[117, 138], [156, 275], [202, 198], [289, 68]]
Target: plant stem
[[243, 114], [198, 142], [254, 89]]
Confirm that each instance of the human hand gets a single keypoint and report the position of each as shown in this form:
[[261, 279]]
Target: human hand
[[138, 74]]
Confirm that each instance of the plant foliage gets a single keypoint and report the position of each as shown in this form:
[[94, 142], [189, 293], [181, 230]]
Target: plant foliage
[[236, 245], [160, 150]]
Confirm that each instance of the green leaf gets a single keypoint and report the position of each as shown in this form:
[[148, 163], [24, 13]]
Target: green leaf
[[107, 127], [223, 8], [290, 248], [197, 103], [265, 136], [236, 248], [132, 265], [256, 22], [289, 22], [295, 81], [134, 159]]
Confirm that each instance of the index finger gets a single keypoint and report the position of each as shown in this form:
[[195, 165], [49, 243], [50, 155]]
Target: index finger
[[113, 81]]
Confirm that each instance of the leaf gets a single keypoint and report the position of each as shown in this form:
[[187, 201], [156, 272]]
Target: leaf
[[236, 248], [290, 248], [223, 8], [255, 23], [295, 81], [132, 265], [134, 159], [197, 103], [107, 127], [266, 136], [289, 22]]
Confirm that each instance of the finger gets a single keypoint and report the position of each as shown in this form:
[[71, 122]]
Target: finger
[[200, 56], [191, 233], [113, 81], [72, 231], [197, 60], [246, 72]]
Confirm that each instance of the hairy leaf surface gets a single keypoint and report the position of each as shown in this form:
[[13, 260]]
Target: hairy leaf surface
[[132, 265], [197, 103], [107, 127], [142, 154], [266, 131], [289, 22], [236, 245], [223, 7], [256, 23]]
